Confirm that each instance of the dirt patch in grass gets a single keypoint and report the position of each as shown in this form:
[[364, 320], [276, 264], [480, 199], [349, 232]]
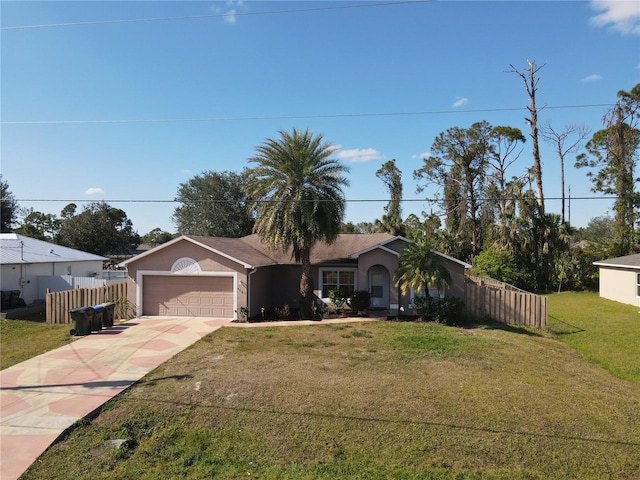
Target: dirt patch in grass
[[376, 400]]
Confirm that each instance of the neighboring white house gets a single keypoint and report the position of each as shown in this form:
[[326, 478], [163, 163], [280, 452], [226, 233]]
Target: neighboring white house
[[25, 260], [620, 279]]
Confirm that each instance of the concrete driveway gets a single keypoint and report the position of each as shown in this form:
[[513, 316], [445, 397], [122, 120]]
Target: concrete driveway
[[44, 396]]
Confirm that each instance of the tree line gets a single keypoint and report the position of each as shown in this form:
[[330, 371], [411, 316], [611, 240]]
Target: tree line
[[487, 215]]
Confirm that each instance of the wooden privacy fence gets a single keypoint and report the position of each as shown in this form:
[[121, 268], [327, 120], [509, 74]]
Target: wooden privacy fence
[[504, 303], [59, 303]]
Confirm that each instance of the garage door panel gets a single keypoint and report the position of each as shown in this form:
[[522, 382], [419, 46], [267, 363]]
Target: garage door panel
[[201, 296]]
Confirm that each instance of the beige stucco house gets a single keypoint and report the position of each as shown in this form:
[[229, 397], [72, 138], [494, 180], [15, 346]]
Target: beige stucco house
[[212, 276], [620, 279]]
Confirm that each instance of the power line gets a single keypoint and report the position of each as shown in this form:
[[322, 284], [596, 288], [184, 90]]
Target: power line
[[356, 200], [214, 15], [290, 117]]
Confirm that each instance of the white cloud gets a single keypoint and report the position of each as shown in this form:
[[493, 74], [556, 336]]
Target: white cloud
[[230, 17], [623, 16], [185, 171], [591, 78], [94, 191], [460, 101], [421, 155], [358, 155]]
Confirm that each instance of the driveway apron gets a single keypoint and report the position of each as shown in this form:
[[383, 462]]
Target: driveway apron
[[44, 396]]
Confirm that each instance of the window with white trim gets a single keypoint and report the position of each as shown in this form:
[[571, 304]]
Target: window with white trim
[[336, 279], [637, 284], [432, 291]]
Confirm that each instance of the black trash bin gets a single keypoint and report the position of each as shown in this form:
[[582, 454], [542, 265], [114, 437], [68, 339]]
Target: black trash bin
[[108, 314], [98, 315], [6, 300], [13, 299], [82, 319]]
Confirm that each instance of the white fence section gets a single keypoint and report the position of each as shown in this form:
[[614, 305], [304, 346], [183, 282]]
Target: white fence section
[[114, 274], [60, 283]]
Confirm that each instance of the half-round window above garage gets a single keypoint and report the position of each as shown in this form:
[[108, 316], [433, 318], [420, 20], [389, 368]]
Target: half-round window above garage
[[185, 265]]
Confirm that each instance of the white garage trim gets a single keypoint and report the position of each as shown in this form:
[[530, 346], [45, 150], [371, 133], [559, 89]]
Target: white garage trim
[[140, 274]]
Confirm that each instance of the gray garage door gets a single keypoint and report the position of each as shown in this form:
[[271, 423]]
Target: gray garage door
[[186, 296]]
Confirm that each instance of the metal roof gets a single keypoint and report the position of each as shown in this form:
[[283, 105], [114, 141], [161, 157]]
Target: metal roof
[[16, 249]]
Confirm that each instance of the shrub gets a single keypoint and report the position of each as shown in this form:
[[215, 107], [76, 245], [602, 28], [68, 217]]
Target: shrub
[[338, 297], [421, 305], [360, 301], [283, 312], [447, 311]]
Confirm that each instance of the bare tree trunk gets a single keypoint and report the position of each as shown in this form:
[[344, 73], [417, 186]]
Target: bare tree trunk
[[531, 84], [306, 286], [558, 140]]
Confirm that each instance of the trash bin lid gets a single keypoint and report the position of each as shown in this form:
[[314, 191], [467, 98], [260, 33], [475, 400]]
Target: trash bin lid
[[98, 307], [81, 309]]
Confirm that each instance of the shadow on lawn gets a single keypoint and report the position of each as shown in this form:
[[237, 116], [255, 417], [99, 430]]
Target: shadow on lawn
[[565, 329], [357, 418], [493, 325]]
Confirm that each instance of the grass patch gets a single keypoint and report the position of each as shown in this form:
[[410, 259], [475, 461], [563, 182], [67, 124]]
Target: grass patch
[[21, 340], [405, 401], [602, 330]]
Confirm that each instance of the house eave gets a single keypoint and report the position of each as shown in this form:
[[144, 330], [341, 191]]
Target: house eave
[[191, 240]]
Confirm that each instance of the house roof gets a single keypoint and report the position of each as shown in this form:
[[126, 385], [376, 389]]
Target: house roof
[[628, 261], [17, 249], [250, 252]]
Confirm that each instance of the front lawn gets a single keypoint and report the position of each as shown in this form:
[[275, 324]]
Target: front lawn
[[383, 400], [21, 340], [602, 330]]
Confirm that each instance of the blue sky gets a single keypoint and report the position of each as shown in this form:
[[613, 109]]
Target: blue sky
[[98, 107]]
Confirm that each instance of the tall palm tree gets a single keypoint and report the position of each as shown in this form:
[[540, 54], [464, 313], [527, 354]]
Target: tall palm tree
[[420, 266], [296, 190]]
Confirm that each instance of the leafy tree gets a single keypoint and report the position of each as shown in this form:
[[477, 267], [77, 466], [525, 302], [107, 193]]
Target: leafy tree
[[497, 264], [459, 165], [598, 230], [360, 227], [420, 266], [38, 225], [8, 207], [68, 211], [99, 229], [391, 176], [157, 236], [504, 140], [296, 190], [214, 204], [612, 154]]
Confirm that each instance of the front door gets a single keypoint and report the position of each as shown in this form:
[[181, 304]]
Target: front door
[[379, 287]]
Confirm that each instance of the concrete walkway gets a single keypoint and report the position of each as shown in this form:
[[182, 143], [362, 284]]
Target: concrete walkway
[[44, 396]]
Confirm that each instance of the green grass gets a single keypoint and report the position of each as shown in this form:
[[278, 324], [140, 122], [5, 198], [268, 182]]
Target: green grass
[[21, 340], [602, 330], [384, 400]]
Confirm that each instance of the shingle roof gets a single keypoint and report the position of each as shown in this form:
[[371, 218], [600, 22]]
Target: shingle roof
[[16, 249], [251, 252], [628, 261]]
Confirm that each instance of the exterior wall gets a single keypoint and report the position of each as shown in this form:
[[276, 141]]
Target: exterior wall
[[384, 259], [274, 286], [24, 277], [162, 261], [619, 285], [456, 289]]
